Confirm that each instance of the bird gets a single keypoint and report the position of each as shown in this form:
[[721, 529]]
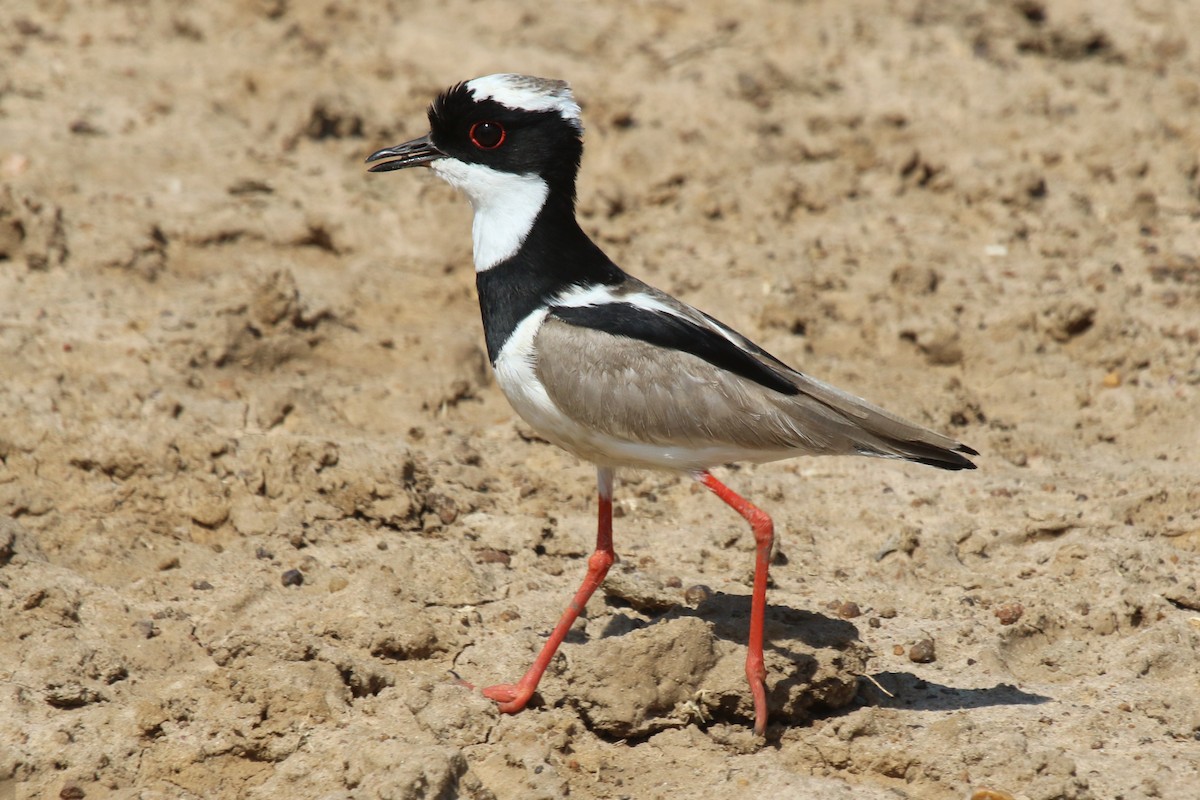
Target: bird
[[608, 368]]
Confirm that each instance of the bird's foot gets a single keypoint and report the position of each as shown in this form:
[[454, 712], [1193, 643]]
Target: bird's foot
[[510, 697], [758, 689]]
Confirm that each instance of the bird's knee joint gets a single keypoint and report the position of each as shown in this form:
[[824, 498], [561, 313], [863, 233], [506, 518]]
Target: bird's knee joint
[[600, 561], [764, 528]]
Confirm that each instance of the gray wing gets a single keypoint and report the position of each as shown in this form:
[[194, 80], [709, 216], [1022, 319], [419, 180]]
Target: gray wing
[[640, 391]]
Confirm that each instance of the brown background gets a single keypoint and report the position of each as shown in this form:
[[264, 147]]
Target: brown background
[[226, 352]]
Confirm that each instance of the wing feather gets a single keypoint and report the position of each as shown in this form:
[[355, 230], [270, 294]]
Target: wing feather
[[647, 390]]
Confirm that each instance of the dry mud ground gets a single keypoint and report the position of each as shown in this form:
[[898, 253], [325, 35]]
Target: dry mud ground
[[227, 353]]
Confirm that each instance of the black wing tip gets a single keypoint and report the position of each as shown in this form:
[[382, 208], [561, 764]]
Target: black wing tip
[[931, 455], [950, 459]]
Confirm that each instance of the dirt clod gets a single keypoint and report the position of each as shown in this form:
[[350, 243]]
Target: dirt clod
[[1009, 613]]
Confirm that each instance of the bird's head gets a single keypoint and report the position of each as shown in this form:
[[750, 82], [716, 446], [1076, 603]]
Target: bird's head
[[489, 133]]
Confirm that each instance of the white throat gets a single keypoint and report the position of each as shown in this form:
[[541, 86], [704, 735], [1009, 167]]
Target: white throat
[[506, 205]]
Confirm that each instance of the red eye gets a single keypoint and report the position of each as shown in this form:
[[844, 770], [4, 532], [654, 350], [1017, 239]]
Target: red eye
[[487, 135]]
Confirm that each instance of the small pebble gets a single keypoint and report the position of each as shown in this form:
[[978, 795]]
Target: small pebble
[[71, 791], [1009, 613], [898, 650], [490, 555], [263, 553], [673, 582], [147, 628], [695, 595], [1112, 380], [922, 652], [337, 583], [447, 511], [887, 612], [874, 622], [202, 586], [508, 615], [991, 794], [293, 577], [848, 610]]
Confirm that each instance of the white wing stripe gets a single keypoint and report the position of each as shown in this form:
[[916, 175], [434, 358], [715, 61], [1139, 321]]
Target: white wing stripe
[[599, 294]]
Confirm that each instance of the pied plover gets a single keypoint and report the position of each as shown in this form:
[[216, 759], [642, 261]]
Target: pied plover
[[609, 368]]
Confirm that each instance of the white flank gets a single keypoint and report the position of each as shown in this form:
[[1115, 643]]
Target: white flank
[[516, 373], [506, 205], [526, 93]]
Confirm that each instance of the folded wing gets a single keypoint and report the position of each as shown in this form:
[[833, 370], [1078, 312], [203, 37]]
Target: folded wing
[[652, 370]]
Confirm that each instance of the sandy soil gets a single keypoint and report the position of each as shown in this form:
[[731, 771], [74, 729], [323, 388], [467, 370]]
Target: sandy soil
[[260, 501]]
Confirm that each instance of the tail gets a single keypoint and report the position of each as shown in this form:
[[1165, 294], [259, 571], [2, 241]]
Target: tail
[[872, 431], [925, 453]]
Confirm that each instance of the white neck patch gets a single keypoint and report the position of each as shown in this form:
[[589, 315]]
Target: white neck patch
[[505, 203], [527, 93]]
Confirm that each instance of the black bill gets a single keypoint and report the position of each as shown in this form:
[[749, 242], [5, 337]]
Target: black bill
[[416, 153]]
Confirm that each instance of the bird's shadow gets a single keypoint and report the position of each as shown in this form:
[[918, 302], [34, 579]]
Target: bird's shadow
[[730, 616], [910, 692]]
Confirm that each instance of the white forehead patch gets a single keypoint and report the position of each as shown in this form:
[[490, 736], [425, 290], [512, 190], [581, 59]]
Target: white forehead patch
[[527, 93]]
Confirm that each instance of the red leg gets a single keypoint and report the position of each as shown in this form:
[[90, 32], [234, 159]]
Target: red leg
[[764, 535], [513, 697]]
